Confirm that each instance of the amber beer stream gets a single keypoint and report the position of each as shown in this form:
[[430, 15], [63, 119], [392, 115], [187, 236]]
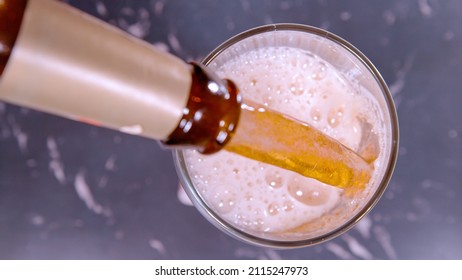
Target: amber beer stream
[[274, 138]]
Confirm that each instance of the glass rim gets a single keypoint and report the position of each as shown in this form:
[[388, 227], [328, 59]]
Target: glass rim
[[235, 232]]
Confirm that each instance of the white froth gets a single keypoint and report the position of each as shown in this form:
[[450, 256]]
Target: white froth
[[261, 197]]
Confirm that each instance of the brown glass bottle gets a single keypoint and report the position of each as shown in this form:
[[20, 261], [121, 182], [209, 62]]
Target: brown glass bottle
[[201, 111]]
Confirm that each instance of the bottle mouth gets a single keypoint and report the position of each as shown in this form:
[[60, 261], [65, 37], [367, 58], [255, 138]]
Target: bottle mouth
[[388, 108]]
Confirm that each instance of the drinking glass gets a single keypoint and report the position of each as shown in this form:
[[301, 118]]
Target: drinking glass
[[355, 66]]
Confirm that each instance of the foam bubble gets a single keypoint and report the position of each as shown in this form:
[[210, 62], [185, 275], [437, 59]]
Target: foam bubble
[[335, 116], [315, 114], [319, 71], [314, 194], [273, 209], [224, 201], [274, 180]]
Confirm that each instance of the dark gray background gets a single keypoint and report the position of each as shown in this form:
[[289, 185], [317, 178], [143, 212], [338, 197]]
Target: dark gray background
[[416, 45]]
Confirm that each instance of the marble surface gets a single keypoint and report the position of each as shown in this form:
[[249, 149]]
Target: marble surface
[[72, 191]]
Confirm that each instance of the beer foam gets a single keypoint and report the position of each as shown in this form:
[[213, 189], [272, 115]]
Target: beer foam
[[263, 198]]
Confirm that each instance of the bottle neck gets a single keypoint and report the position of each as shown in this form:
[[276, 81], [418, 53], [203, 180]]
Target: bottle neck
[[211, 115]]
